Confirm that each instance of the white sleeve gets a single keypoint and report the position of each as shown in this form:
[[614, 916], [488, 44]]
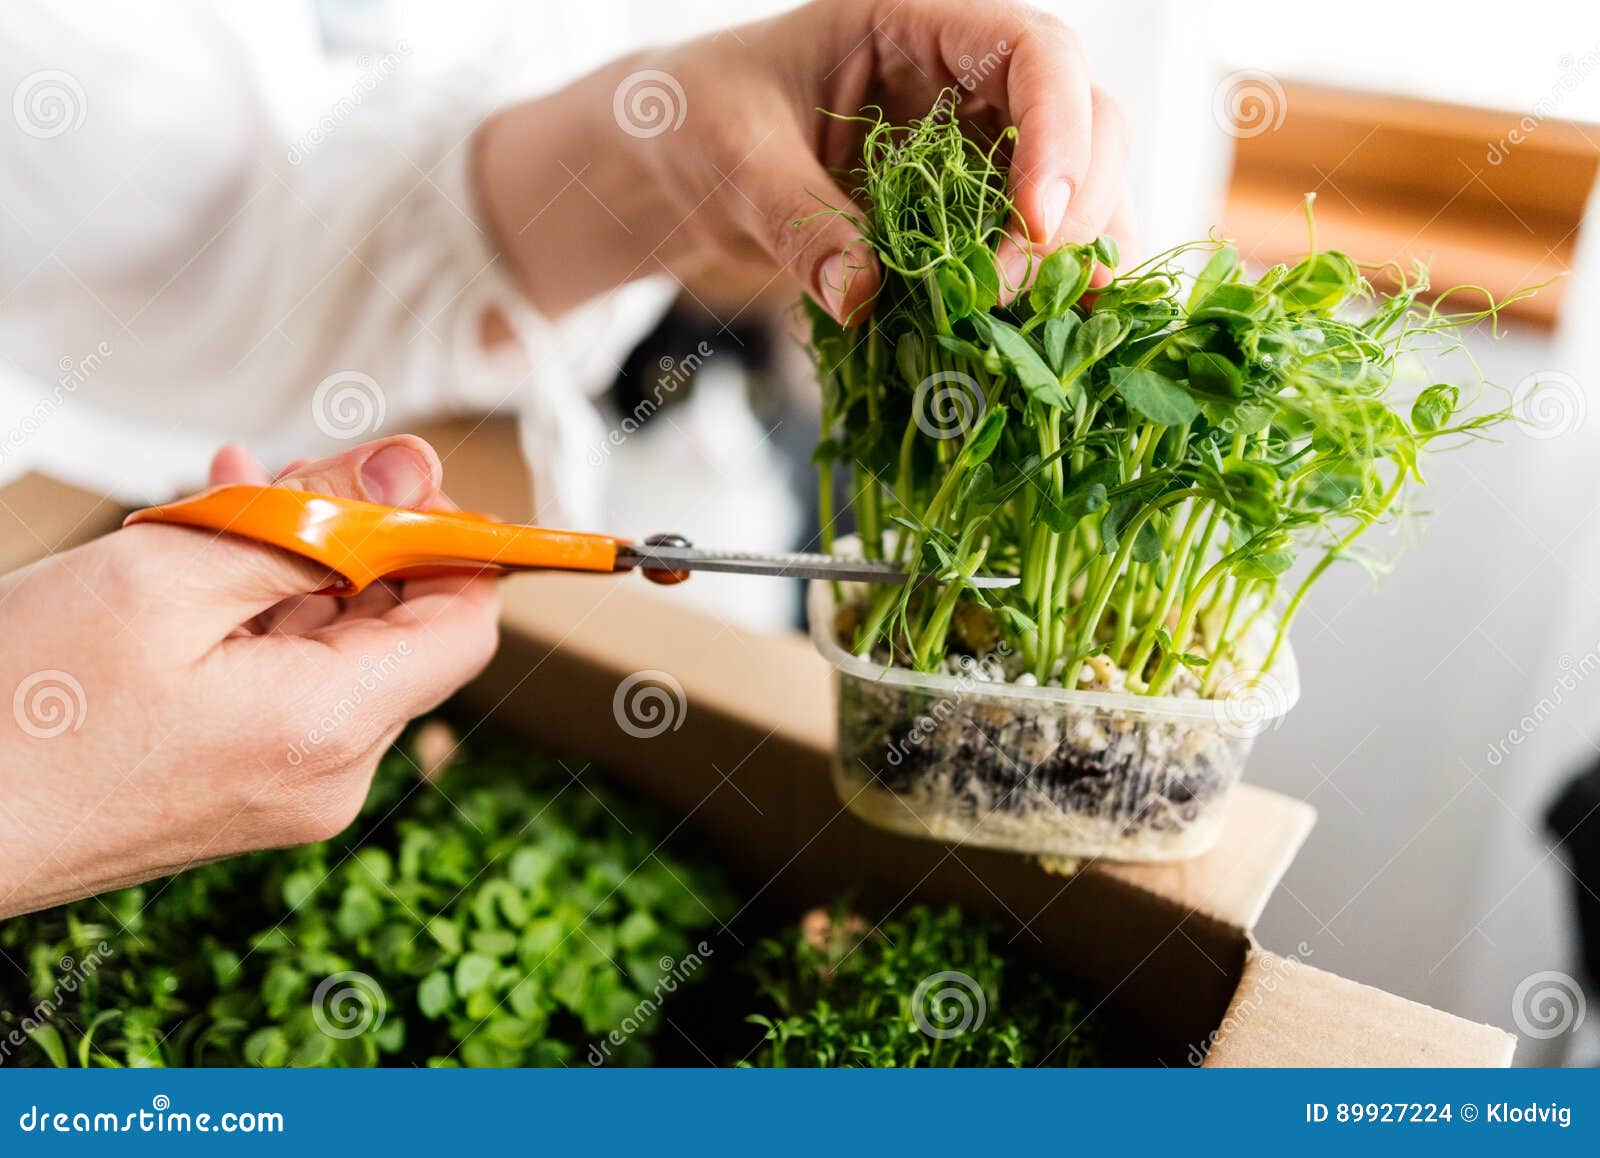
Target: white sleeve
[[297, 292]]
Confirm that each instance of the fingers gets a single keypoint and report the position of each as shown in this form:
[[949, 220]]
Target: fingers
[[1099, 196], [437, 638], [1031, 68], [787, 204], [229, 580], [1125, 228], [402, 471], [235, 464], [1051, 104]]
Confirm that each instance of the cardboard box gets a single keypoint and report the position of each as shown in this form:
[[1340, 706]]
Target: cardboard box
[[747, 764], [1169, 947]]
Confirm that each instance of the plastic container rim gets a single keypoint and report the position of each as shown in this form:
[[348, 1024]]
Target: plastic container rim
[[819, 611]]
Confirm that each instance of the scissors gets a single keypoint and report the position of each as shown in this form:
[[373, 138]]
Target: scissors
[[364, 542]]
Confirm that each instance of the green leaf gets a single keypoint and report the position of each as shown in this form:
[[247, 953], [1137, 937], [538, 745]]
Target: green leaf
[[359, 912], [298, 887], [48, 1039], [473, 972], [908, 358], [981, 442], [1319, 283], [1057, 333], [1032, 374], [1155, 396], [434, 995], [1188, 659], [1100, 333], [1264, 564], [1216, 271], [446, 933], [1105, 248], [1215, 375], [1433, 408], [1060, 280], [493, 942], [1250, 490], [1084, 494]]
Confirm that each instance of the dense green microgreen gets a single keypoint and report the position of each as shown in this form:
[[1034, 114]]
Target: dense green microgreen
[[838, 993], [1152, 458], [507, 916]]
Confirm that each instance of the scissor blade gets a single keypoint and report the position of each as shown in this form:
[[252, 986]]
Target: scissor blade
[[795, 565]]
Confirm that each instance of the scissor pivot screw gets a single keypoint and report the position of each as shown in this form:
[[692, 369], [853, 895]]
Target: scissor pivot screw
[[658, 575]]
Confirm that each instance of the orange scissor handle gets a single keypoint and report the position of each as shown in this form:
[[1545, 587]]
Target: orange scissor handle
[[362, 542]]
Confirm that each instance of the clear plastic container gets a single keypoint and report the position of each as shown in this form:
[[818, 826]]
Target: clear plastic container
[[1045, 770]]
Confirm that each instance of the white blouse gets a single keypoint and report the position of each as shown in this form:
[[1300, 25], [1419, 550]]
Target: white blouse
[[186, 257]]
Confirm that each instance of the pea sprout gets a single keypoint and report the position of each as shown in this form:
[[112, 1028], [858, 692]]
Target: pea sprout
[[1152, 458]]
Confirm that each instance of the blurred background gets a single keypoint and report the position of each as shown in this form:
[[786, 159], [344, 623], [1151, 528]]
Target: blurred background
[[1445, 707]]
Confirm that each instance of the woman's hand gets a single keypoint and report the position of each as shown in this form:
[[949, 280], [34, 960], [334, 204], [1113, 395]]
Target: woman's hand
[[716, 148], [179, 696]]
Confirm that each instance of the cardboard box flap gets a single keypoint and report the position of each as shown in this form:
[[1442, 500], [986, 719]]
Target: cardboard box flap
[[1286, 1013], [779, 688]]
